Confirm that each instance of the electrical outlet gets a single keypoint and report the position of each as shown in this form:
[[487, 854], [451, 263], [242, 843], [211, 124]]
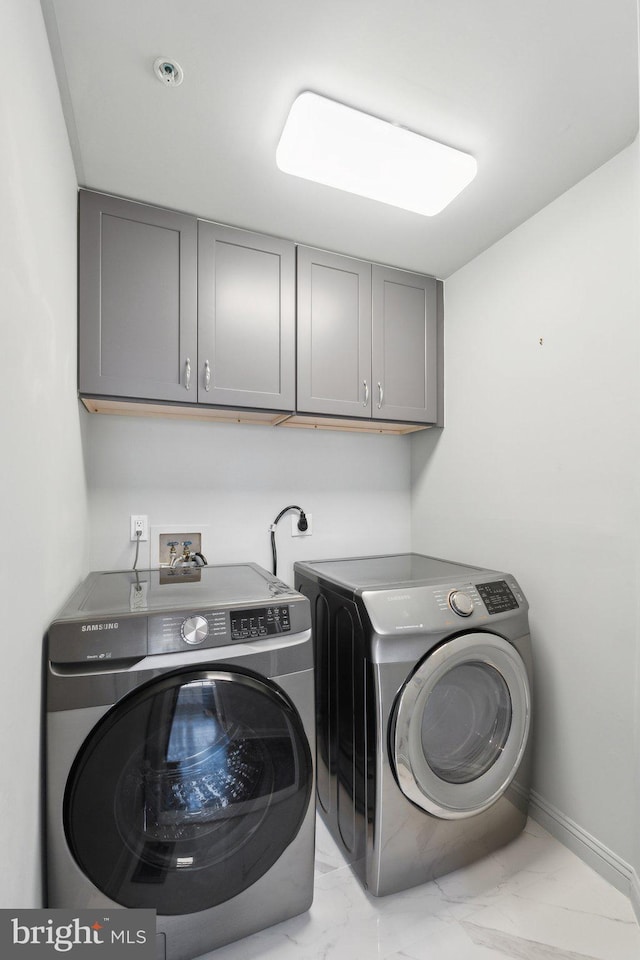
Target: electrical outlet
[[139, 522], [301, 533]]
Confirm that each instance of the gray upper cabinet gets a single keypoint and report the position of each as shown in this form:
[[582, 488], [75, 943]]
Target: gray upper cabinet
[[334, 334], [246, 319], [137, 300], [181, 310], [368, 340], [405, 346]]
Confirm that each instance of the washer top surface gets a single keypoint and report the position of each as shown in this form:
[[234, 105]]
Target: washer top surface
[[109, 593], [128, 614], [387, 572]]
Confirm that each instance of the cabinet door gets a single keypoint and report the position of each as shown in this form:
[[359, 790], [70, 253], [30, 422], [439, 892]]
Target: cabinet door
[[137, 306], [334, 334], [405, 346], [246, 319]]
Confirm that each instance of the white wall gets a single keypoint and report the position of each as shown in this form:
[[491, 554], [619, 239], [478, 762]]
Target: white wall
[[536, 472], [42, 481], [234, 480]]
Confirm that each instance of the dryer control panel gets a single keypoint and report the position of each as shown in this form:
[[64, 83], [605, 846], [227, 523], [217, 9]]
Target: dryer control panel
[[497, 596], [438, 607]]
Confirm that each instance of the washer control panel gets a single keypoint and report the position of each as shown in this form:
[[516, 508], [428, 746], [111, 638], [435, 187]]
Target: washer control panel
[[173, 632], [264, 622]]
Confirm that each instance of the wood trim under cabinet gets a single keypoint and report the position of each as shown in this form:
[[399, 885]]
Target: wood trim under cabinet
[[354, 426], [133, 408]]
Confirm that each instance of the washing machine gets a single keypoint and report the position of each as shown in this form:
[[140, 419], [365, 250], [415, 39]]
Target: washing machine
[[423, 692], [179, 724]]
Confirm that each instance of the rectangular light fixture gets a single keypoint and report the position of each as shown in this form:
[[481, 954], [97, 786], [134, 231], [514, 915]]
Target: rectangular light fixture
[[341, 147]]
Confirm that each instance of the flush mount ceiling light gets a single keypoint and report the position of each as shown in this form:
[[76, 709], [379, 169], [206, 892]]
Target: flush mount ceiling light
[[341, 147]]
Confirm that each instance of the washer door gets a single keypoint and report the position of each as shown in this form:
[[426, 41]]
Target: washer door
[[461, 726], [188, 790]]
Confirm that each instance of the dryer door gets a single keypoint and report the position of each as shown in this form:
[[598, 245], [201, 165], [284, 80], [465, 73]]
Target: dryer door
[[188, 790], [461, 726]]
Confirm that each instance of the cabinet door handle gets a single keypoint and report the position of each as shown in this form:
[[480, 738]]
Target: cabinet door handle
[[380, 395], [366, 393], [207, 375], [187, 374]]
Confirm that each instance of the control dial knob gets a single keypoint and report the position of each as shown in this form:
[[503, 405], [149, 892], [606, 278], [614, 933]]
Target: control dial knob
[[461, 603], [194, 630]]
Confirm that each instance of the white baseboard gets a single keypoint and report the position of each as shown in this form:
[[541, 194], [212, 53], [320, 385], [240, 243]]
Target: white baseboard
[[608, 864], [635, 894]]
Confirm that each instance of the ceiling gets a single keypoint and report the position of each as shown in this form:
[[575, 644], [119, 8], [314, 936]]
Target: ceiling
[[540, 92]]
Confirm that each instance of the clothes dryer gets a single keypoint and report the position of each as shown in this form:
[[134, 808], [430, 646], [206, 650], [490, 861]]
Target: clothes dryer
[[423, 671], [179, 769]]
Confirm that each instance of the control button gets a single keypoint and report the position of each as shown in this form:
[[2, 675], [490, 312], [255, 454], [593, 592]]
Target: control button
[[461, 603], [194, 630]]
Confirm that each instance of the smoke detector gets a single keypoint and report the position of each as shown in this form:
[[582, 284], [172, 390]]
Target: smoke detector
[[168, 71]]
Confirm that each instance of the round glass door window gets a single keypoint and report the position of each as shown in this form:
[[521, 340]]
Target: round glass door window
[[188, 790], [466, 722], [461, 726]]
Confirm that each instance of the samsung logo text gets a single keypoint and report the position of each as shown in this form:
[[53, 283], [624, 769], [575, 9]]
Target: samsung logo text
[[86, 627]]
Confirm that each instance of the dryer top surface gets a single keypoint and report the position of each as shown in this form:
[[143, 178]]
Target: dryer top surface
[[389, 572]]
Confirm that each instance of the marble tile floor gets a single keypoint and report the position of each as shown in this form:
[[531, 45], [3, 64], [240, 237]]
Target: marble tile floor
[[531, 900]]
